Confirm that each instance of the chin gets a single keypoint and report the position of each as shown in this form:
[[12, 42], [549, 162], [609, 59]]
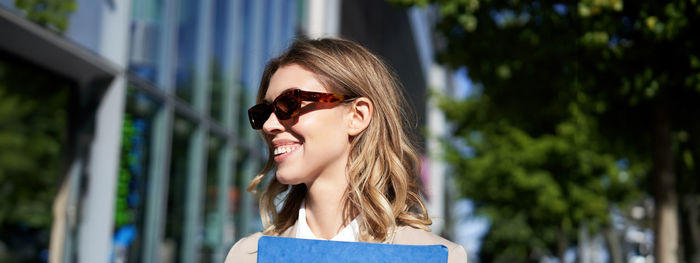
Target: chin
[[288, 179]]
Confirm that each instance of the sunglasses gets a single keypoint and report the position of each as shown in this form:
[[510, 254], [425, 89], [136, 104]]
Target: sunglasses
[[288, 105]]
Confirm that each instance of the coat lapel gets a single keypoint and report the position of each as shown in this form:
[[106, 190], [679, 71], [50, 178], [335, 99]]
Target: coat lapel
[[290, 232]]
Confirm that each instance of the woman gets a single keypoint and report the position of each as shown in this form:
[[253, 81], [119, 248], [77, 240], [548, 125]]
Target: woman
[[332, 115]]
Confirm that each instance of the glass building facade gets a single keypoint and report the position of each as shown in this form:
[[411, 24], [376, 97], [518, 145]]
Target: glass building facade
[[187, 150], [172, 80]]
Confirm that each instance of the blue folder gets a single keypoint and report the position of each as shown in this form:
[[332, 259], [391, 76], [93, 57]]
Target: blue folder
[[283, 249]]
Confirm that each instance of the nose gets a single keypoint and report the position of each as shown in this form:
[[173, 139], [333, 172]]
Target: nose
[[272, 125]]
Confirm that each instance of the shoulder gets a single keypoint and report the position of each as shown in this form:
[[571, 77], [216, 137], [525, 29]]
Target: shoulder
[[245, 250], [406, 235]]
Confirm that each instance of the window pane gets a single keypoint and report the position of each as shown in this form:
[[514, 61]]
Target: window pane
[[247, 214], [243, 106], [212, 217], [233, 197], [186, 49], [132, 183], [146, 28], [218, 65], [236, 199], [177, 186]]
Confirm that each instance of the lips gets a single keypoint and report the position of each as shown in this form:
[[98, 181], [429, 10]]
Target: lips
[[282, 148]]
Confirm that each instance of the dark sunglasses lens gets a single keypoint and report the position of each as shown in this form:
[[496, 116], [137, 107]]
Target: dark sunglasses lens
[[286, 106], [258, 114]]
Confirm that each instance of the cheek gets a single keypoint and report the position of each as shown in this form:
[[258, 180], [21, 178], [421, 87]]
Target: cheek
[[323, 131]]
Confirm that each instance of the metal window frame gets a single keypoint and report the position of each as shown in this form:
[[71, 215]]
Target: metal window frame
[[160, 136], [231, 68], [197, 156]]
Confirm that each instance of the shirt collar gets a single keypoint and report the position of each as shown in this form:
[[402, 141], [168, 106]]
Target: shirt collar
[[348, 233]]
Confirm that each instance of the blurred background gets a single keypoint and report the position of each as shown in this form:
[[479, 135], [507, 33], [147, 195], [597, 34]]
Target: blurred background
[[551, 131]]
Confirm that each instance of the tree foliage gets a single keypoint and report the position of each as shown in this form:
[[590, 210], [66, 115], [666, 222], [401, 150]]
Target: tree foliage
[[536, 189], [33, 123], [48, 13], [32, 128], [573, 98]]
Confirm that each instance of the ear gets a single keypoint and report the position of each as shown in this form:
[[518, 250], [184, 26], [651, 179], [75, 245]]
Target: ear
[[360, 113]]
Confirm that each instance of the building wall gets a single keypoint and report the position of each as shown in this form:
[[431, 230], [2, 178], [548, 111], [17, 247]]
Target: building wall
[[84, 217], [168, 150]]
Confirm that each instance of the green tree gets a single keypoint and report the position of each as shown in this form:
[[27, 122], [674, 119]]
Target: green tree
[[536, 190], [33, 124], [48, 13], [33, 121], [631, 68]]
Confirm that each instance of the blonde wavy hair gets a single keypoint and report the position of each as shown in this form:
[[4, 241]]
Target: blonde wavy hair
[[383, 191]]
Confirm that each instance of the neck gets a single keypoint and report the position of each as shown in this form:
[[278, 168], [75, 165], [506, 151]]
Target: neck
[[324, 208]]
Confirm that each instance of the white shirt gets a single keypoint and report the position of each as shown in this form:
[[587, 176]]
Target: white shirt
[[349, 233]]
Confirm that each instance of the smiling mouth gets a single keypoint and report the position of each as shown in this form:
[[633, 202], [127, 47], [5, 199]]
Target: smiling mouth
[[284, 149]]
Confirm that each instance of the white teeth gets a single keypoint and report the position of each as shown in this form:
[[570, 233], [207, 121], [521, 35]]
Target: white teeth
[[284, 149]]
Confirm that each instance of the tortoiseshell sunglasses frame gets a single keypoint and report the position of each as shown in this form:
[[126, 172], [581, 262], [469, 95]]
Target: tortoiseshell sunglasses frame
[[258, 114]]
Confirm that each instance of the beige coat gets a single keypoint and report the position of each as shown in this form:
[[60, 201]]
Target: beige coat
[[246, 249]]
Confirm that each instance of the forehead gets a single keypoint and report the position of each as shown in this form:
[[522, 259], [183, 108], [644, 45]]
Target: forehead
[[292, 77]]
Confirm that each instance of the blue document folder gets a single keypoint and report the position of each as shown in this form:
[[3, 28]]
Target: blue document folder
[[282, 249]]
